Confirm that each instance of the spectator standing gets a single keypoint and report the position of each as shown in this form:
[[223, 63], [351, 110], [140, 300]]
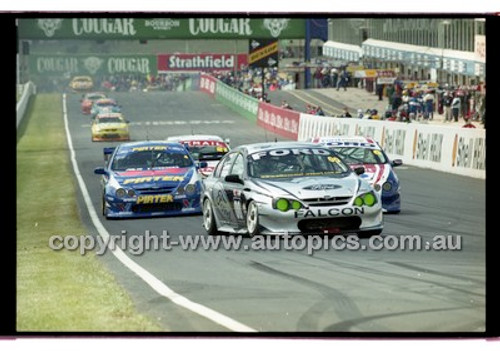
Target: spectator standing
[[380, 91], [447, 99], [455, 107], [429, 105], [334, 76], [317, 77], [343, 79]]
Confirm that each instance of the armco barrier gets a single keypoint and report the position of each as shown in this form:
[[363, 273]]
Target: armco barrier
[[22, 104], [445, 148]]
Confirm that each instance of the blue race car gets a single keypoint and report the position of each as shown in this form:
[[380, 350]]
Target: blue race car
[[379, 170], [149, 179]]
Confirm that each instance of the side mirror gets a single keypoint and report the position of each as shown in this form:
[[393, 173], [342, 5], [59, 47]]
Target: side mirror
[[397, 162], [234, 178], [202, 165], [100, 170], [359, 170]]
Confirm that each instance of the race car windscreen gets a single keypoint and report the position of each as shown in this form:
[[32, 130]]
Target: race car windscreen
[[105, 104], [109, 120], [296, 162], [150, 159], [208, 153], [359, 155]]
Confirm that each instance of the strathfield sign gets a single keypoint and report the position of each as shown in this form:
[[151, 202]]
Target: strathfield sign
[[201, 62], [161, 28]]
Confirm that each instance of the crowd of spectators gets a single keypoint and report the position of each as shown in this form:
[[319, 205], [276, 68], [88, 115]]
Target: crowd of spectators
[[249, 80], [119, 83], [420, 102]]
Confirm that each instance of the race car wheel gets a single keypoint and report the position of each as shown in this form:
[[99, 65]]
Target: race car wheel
[[209, 219], [252, 219], [104, 212]]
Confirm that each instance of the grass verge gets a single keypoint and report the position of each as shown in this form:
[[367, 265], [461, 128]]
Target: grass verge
[[59, 291]]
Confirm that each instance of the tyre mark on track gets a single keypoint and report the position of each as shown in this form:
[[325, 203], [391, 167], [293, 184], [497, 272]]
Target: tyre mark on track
[[431, 271], [373, 271], [349, 324], [339, 304]]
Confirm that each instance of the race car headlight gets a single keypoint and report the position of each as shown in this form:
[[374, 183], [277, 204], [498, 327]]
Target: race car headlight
[[376, 187], [120, 192], [190, 189], [368, 199], [282, 205], [285, 204], [180, 190], [387, 186], [131, 193]]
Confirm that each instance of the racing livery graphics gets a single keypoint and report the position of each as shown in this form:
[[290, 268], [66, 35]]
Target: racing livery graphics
[[288, 188], [207, 148], [149, 178], [367, 153]]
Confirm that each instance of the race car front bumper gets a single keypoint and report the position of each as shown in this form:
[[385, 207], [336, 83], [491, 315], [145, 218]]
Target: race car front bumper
[[320, 220], [111, 136], [155, 205]]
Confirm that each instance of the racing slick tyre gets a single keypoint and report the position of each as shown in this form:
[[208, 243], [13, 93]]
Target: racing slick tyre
[[369, 233], [252, 219], [209, 218]]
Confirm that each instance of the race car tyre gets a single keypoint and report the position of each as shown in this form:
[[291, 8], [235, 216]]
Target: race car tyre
[[369, 233], [252, 219], [104, 212], [209, 218]]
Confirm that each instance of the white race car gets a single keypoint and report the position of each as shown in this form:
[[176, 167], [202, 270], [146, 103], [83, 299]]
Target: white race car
[[207, 148], [288, 188]]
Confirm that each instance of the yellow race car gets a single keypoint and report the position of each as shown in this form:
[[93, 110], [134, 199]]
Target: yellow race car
[[110, 127], [81, 83]]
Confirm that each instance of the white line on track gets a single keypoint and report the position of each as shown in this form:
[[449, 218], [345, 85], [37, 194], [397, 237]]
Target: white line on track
[[156, 284]]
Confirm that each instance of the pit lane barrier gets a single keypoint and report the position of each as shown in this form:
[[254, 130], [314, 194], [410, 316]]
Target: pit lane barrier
[[448, 149], [26, 91]]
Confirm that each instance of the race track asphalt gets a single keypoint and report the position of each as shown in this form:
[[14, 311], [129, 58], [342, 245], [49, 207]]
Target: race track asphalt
[[386, 291]]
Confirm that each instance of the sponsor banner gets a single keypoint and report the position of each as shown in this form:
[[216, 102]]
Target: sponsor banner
[[262, 53], [72, 65], [281, 121], [201, 62], [208, 84], [386, 80], [374, 73], [469, 151], [444, 148], [160, 28], [239, 102]]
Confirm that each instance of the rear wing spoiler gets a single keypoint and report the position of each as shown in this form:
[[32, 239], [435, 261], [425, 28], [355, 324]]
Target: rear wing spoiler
[[108, 151]]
